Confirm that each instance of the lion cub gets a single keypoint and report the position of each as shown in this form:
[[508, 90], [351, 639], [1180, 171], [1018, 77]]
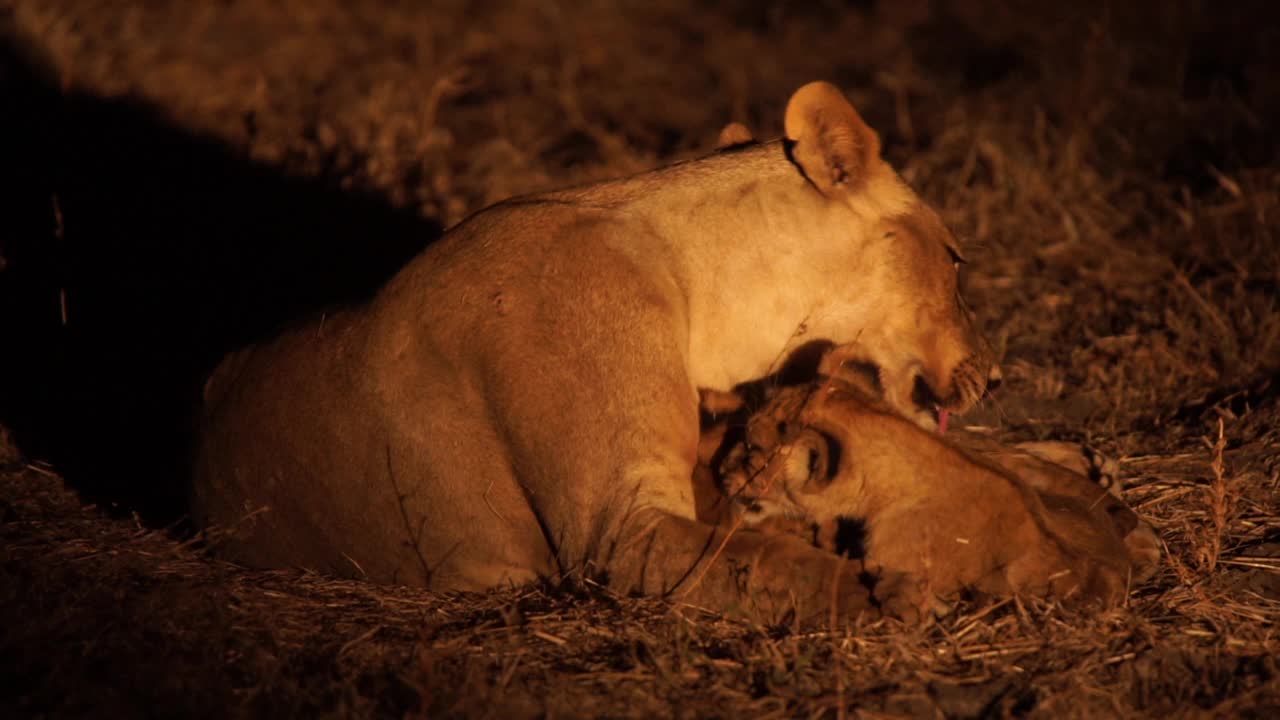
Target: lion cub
[[832, 462]]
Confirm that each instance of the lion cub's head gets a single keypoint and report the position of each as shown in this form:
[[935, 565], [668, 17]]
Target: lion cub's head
[[832, 460]]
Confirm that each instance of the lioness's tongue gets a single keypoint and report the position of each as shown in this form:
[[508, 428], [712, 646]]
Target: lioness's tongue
[[943, 417]]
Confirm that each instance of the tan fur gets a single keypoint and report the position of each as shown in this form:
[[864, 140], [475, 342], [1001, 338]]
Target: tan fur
[[971, 514], [521, 400], [830, 135]]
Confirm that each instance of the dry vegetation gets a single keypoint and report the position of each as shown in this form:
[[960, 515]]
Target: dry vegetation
[[1113, 171]]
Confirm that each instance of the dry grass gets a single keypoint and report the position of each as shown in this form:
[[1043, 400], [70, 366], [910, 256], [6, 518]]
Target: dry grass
[[1110, 170], [123, 619]]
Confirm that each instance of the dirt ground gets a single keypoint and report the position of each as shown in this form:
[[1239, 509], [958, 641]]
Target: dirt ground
[[184, 177]]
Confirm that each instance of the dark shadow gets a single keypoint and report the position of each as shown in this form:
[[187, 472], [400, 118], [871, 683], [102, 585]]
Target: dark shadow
[[171, 249]]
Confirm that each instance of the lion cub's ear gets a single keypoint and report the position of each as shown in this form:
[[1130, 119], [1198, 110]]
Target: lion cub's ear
[[830, 142], [735, 133]]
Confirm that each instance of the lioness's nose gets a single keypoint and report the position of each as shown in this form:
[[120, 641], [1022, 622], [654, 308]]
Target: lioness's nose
[[994, 379]]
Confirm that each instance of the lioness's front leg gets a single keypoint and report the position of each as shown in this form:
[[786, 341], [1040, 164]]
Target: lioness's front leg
[[621, 506]]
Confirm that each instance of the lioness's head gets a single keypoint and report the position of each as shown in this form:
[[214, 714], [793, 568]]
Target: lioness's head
[[903, 307]]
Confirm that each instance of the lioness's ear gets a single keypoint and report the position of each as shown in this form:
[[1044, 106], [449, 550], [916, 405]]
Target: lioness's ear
[[829, 140], [735, 133]]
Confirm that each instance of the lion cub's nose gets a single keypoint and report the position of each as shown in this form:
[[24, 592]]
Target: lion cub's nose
[[995, 379]]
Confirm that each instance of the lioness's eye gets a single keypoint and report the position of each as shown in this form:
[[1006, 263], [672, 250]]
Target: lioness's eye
[[956, 259]]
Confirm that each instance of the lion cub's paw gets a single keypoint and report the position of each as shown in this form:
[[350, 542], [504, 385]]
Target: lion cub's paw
[[1082, 459], [1144, 551]]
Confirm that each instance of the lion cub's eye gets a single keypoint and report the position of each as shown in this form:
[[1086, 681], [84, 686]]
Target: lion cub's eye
[[815, 461], [956, 258]]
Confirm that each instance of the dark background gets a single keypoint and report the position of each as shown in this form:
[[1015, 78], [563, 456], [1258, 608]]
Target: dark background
[[218, 169]]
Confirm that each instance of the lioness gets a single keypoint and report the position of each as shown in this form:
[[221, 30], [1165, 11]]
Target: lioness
[[833, 459], [521, 400]]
